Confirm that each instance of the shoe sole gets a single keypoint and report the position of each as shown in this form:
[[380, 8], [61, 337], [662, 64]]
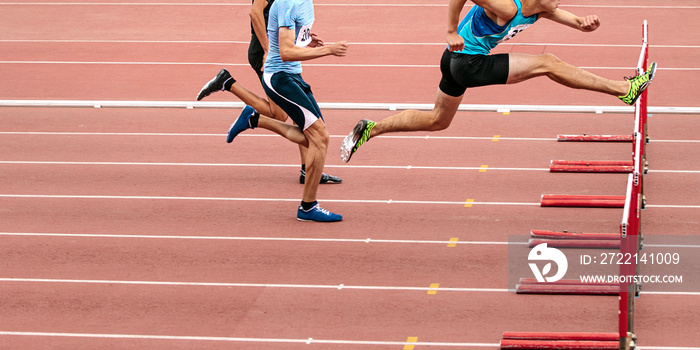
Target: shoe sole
[[323, 183], [346, 148], [308, 220], [311, 220]]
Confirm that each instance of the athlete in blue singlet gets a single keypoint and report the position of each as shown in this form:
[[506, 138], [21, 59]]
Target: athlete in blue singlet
[[290, 41], [467, 62], [257, 52], [481, 34]]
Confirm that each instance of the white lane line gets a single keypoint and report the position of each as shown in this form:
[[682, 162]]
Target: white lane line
[[293, 239], [250, 340], [284, 285], [345, 4], [360, 65], [282, 340], [407, 137], [242, 165], [246, 42], [407, 167], [349, 106], [363, 201], [248, 285], [269, 239]]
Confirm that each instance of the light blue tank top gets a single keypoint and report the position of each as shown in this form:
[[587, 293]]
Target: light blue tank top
[[481, 34], [297, 15]]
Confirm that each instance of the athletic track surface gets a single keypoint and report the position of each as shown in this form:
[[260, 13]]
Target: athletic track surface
[[141, 228]]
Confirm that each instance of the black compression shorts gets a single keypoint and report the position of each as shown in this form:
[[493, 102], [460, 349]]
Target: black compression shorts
[[461, 71]]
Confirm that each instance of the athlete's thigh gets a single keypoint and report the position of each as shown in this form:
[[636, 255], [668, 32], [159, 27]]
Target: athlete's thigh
[[524, 67]]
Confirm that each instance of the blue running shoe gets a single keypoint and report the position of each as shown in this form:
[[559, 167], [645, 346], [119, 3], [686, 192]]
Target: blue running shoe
[[241, 124], [316, 213]]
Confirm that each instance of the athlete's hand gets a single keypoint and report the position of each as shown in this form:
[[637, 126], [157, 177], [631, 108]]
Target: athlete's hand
[[339, 49], [454, 41], [315, 41], [589, 23]]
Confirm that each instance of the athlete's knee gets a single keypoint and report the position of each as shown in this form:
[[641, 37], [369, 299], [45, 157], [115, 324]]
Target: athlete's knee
[[444, 111], [318, 135], [278, 114], [438, 122], [549, 61]]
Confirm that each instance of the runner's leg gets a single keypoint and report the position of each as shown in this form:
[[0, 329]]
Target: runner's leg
[[524, 67], [413, 120]]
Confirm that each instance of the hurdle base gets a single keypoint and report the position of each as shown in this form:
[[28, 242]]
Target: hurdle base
[[595, 138], [576, 243], [572, 235], [591, 166], [527, 344], [567, 289], [554, 200]]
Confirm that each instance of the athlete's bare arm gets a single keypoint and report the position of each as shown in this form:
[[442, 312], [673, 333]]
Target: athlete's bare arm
[[584, 24]]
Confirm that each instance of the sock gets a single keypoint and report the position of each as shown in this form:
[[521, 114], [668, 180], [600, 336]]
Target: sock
[[303, 167], [254, 120], [308, 205], [228, 83]]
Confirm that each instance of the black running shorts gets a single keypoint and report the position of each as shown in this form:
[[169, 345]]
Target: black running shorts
[[461, 71], [294, 96]]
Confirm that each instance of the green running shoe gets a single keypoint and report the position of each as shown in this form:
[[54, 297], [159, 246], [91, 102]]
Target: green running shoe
[[358, 136], [638, 84]]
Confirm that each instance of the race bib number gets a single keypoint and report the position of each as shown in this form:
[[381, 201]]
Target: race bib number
[[513, 32], [304, 37]]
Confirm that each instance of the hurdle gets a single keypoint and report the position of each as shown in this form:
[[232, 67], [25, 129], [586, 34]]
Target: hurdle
[[590, 166], [628, 240], [594, 138], [559, 341]]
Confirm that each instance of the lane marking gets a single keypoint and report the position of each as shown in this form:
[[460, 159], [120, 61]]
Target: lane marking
[[493, 138], [483, 168], [355, 65], [186, 4], [433, 289], [246, 340], [452, 241], [348, 106], [233, 199], [277, 340], [246, 42], [410, 346], [468, 204], [399, 167], [245, 285], [283, 286]]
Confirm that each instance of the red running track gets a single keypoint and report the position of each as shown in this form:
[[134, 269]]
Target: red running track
[[134, 228]]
